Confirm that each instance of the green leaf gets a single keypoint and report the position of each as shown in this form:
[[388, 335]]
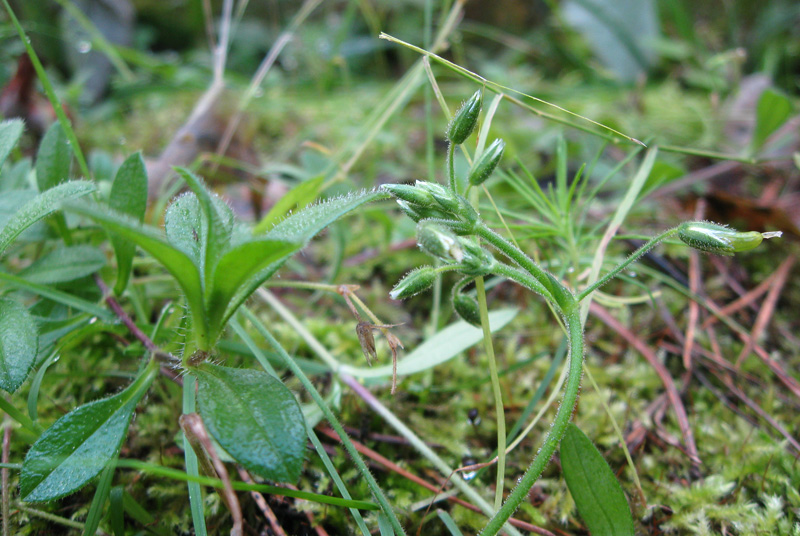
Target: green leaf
[[70, 300], [53, 158], [18, 344], [40, 206], [65, 264], [772, 111], [128, 196], [296, 198], [149, 239], [183, 227], [438, 349], [596, 491], [302, 226], [80, 444], [15, 176], [255, 418], [10, 132], [217, 222], [237, 267]]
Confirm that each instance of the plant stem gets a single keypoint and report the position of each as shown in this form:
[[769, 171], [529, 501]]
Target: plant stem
[[547, 286], [500, 415], [633, 258], [451, 166], [575, 333]]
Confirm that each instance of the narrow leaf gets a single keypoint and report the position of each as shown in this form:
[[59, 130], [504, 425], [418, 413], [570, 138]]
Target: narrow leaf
[[59, 296], [238, 266], [18, 344], [80, 444], [217, 221], [255, 418], [772, 111], [149, 239], [41, 206], [65, 264], [438, 349], [10, 132], [596, 491], [296, 198], [128, 196], [53, 158]]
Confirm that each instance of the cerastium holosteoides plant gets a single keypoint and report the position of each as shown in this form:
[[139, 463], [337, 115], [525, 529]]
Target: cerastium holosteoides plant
[[450, 229]]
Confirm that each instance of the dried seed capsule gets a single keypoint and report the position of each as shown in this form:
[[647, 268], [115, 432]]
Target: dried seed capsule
[[467, 308], [715, 238], [414, 282], [466, 118], [482, 169], [410, 194], [439, 242]]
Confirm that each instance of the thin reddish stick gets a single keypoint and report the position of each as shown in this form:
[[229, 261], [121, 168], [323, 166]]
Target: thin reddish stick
[[767, 308], [742, 301], [368, 452], [5, 499], [261, 502], [663, 374]]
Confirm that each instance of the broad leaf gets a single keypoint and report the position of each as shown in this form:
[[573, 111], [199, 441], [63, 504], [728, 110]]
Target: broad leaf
[[40, 206], [80, 444], [217, 222], [18, 344], [772, 111], [237, 267], [183, 226], [10, 131], [128, 196], [65, 264], [53, 158], [296, 198], [596, 491], [149, 239], [255, 418], [438, 349]]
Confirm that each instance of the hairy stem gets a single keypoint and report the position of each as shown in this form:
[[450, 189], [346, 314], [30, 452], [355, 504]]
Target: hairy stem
[[647, 246], [551, 442], [451, 166]]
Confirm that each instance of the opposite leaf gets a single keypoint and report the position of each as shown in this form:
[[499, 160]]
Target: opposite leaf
[[596, 491], [80, 444], [18, 344], [255, 418], [128, 196]]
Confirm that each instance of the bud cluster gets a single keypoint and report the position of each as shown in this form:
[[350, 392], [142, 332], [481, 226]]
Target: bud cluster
[[428, 200]]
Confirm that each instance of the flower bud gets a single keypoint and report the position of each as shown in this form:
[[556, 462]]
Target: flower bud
[[414, 282], [443, 196], [482, 168], [465, 119], [715, 238], [418, 212], [476, 261], [409, 210], [410, 194], [467, 308], [439, 242], [466, 210]]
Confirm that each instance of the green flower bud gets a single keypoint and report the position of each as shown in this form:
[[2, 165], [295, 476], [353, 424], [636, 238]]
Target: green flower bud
[[443, 196], [467, 308], [414, 282], [409, 210], [715, 238], [439, 242], [483, 167], [476, 261], [466, 118], [466, 211], [410, 194], [418, 212]]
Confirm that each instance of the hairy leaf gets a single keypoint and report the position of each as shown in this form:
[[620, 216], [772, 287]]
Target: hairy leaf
[[80, 444], [18, 344], [296, 198], [41, 206], [128, 196], [53, 158], [596, 491], [10, 132], [65, 264], [255, 418]]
